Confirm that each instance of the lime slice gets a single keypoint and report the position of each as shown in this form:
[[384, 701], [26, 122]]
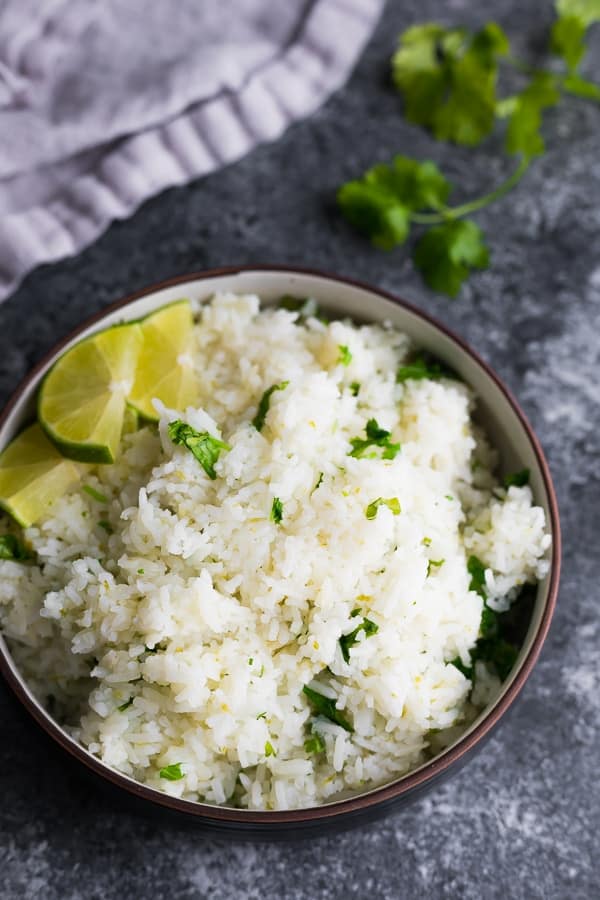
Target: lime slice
[[82, 400], [164, 369], [33, 475]]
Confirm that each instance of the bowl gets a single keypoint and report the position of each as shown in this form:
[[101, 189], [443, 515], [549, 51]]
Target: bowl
[[509, 431]]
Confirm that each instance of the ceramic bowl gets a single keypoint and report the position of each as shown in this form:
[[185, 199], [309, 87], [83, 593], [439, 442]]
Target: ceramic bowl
[[509, 431]]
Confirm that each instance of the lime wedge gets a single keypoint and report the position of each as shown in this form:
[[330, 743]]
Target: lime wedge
[[33, 475], [164, 369], [82, 399]]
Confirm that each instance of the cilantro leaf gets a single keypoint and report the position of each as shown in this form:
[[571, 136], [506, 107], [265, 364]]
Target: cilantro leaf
[[270, 749], [201, 444], [349, 640], [380, 203], [392, 504], [523, 132], [587, 11], [314, 744], [172, 772], [517, 479], [376, 437], [263, 407], [345, 357], [567, 40], [12, 548], [447, 78], [446, 254], [500, 653], [277, 511], [355, 388], [326, 707]]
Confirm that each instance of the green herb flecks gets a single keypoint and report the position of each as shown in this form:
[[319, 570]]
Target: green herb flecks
[[277, 511], [106, 526], [392, 503], [345, 356], [318, 484], [476, 570], [125, 705], [424, 367], [355, 388], [375, 437], [517, 479], [314, 744], [172, 772], [349, 640], [434, 564], [94, 494], [326, 707], [263, 407], [270, 749], [201, 444], [12, 548]]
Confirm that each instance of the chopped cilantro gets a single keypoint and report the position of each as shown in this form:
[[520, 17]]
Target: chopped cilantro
[[306, 307], [517, 479], [201, 444], [467, 671], [349, 640], [392, 504], [326, 707], [94, 494], [354, 388], [12, 548], [375, 437], [476, 570], [172, 772], [251, 661], [318, 484], [489, 622], [426, 541], [314, 744], [270, 749], [423, 366], [263, 407], [500, 653], [345, 356], [106, 526], [434, 564], [262, 715], [140, 571], [277, 511], [125, 705]]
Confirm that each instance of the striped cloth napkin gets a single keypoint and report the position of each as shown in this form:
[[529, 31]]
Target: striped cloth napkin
[[104, 103]]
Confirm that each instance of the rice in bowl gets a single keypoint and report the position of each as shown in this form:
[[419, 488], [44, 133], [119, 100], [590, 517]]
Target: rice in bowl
[[183, 628]]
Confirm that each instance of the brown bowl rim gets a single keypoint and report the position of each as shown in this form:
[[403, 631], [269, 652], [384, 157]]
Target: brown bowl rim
[[406, 783]]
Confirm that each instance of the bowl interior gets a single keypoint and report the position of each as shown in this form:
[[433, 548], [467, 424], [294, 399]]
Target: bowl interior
[[501, 419]]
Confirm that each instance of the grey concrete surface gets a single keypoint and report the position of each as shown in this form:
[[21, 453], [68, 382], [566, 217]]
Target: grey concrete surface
[[521, 820]]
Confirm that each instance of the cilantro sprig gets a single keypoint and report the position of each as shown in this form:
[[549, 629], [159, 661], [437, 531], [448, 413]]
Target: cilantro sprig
[[449, 81]]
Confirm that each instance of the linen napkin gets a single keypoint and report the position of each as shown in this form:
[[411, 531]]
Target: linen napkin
[[104, 103]]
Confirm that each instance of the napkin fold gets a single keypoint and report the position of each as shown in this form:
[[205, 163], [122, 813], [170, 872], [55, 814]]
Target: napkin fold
[[104, 103]]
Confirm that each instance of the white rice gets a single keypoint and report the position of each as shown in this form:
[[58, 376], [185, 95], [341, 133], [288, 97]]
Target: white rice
[[242, 612]]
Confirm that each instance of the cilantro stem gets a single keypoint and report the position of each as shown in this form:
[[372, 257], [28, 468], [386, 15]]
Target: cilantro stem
[[465, 209]]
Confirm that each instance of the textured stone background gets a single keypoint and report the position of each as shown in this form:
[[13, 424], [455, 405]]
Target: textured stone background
[[522, 819]]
